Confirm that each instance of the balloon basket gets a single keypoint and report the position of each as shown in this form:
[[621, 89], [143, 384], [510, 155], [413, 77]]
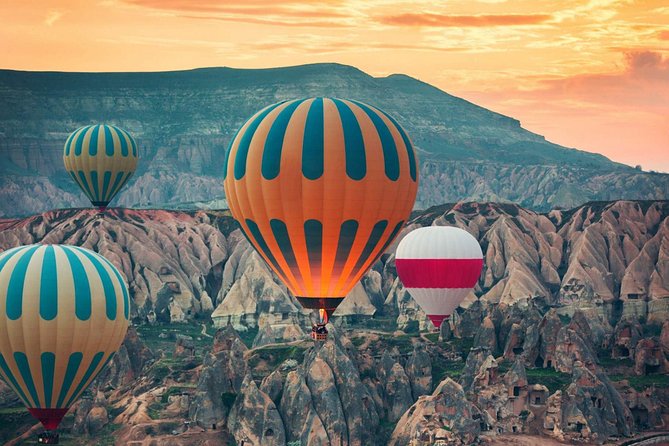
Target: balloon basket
[[48, 437], [319, 333]]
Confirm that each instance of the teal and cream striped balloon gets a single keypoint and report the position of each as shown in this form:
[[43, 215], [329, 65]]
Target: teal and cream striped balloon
[[63, 315], [101, 159]]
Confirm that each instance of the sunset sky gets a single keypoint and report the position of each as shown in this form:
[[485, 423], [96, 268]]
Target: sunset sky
[[587, 74]]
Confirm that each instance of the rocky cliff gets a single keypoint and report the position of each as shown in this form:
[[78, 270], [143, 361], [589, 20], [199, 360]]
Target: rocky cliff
[[183, 122], [565, 335]]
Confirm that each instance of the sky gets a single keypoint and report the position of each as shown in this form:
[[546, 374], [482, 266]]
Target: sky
[[593, 75]]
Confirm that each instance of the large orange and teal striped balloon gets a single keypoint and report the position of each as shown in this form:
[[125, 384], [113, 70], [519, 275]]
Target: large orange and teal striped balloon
[[100, 159], [321, 187], [63, 314]]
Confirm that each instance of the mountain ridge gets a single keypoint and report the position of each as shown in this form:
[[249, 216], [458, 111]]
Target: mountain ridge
[[184, 120]]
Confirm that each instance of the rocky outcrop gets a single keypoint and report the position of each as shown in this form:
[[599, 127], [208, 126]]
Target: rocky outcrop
[[625, 338], [343, 403], [570, 348], [165, 257], [221, 377], [129, 363], [254, 291], [301, 421], [254, 419], [419, 372], [486, 337], [90, 416], [446, 415], [590, 409], [649, 357]]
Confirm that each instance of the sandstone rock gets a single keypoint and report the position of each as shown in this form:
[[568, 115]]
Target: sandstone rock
[[128, 364], [254, 419], [301, 421], [221, 377], [397, 392], [649, 357], [419, 371], [592, 409], [90, 416], [570, 348], [357, 302], [445, 332], [626, 335], [330, 364], [664, 338], [645, 406], [323, 389], [476, 358], [255, 293], [287, 330], [486, 337], [272, 385], [165, 256], [446, 415]]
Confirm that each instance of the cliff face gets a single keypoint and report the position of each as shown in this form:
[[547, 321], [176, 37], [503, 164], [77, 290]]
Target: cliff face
[[183, 122], [561, 294], [606, 260]]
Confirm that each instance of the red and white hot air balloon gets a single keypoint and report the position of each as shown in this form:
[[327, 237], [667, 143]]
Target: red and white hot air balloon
[[439, 266]]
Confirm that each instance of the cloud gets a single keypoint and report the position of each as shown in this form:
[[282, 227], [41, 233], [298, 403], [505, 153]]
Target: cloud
[[320, 13], [663, 35], [442, 20], [52, 17]]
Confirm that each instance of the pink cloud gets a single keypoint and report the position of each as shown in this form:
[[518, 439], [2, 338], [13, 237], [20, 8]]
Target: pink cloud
[[442, 20]]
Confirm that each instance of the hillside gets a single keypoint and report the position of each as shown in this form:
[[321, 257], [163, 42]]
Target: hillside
[[184, 120], [567, 336]]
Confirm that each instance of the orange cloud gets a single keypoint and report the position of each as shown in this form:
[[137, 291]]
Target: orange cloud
[[441, 20], [261, 12], [623, 114], [663, 35]]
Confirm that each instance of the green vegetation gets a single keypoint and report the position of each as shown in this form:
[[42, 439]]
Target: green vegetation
[[403, 342], [154, 410], [432, 337], [162, 337], [276, 354], [651, 330], [382, 323], [248, 336], [442, 368], [358, 340], [175, 390], [643, 382], [550, 378], [228, 399]]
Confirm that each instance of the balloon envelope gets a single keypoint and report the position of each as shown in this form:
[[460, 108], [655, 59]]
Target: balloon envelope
[[439, 266], [321, 187], [100, 159], [63, 314]]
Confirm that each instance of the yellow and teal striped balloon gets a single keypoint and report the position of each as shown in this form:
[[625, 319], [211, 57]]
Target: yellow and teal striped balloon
[[63, 315], [101, 159]]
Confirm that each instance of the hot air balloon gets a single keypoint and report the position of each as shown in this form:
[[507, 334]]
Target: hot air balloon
[[321, 187], [439, 266], [101, 159], [63, 315]]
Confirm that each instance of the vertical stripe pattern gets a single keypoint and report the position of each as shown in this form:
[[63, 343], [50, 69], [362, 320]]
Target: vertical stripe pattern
[[101, 159], [320, 187], [63, 313]]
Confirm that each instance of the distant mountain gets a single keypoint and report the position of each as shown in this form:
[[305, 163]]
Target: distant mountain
[[184, 120]]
